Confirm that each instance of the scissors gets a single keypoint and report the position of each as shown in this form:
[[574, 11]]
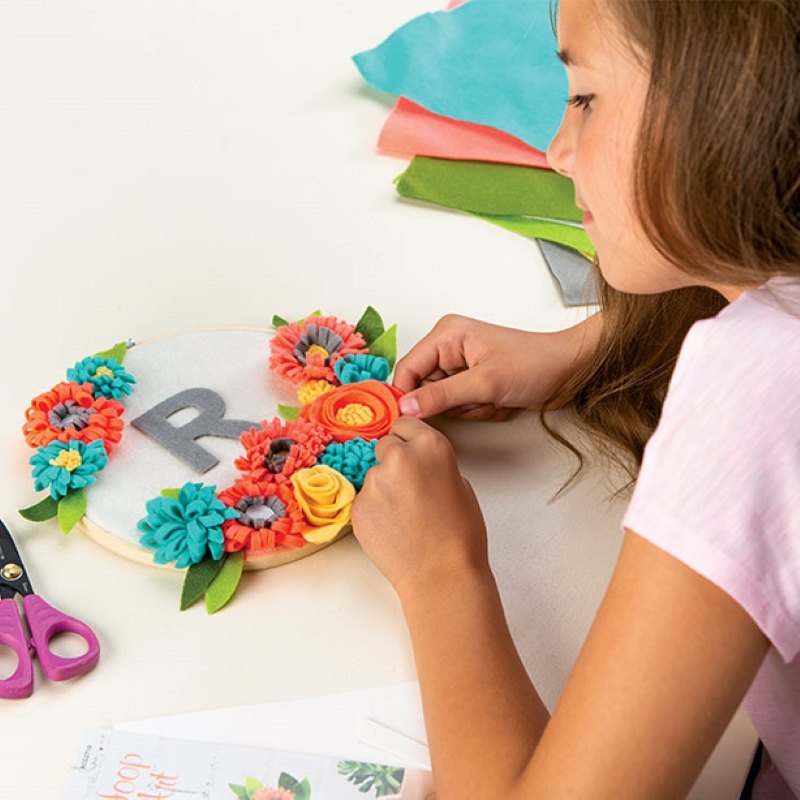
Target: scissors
[[44, 623]]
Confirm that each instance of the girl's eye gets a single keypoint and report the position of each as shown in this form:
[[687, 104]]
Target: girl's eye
[[581, 100]]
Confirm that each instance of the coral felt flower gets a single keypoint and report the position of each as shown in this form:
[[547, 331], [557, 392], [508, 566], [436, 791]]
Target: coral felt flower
[[324, 495], [308, 350], [367, 410], [63, 466], [106, 375], [277, 448], [352, 458], [185, 529], [267, 793], [267, 517], [70, 411]]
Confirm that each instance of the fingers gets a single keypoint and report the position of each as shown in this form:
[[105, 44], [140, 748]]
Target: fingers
[[405, 431], [437, 355], [467, 388]]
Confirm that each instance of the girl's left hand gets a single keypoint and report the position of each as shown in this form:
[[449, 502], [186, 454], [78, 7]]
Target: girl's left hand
[[417, 517]]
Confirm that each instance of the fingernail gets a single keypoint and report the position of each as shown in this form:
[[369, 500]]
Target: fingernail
[[409, 406]]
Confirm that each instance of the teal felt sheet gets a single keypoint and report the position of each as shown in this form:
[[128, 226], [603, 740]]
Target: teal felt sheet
[[492, 62]]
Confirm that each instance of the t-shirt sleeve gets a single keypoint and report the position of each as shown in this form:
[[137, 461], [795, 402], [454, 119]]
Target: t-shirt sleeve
[[719, 486]]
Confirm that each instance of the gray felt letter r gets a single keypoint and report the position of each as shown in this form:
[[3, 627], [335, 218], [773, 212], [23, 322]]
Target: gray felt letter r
[[181, 441]]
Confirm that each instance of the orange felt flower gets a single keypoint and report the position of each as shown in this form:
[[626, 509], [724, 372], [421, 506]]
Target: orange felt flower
[[367, 410], [277, 449], [68, 412], [269, 517], [307, 350]]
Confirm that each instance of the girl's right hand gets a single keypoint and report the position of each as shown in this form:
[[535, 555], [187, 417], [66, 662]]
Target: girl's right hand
[[475, 370]]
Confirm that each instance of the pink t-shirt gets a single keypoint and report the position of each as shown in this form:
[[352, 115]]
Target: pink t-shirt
[[719, 489]]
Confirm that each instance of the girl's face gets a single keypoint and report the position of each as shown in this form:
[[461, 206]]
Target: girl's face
[[595, 147]]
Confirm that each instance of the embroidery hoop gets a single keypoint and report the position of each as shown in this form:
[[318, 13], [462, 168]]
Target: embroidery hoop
[[145, 395]]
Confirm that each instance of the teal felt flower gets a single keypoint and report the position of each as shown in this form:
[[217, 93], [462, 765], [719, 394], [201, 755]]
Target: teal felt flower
[[352, 458], [107, 376], [361, 367], [63, 466], [187, 528]]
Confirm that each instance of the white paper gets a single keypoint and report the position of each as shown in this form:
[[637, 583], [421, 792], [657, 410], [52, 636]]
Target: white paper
[[331, 725]]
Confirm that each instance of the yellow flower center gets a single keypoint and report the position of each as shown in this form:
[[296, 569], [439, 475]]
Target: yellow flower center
[[355, 414], [310, 391], [318, 348], [103, 371], [67, 459]]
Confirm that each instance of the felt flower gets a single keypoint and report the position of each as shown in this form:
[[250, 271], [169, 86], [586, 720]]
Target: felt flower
[[361, 367], [276, 449], [185, 529], [106, 375], [324, 495], [266, 793], [366, 410], [352, 458], [70, 411], [308, 350], [63, 466], [311, 390], [267, 516]]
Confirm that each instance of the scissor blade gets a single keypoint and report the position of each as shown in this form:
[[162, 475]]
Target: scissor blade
[[13, 577]]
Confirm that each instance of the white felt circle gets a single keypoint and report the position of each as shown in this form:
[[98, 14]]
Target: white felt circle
[[231, 363]]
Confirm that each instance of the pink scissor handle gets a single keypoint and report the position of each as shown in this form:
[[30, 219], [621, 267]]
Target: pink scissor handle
[[20, 684], [46, 622]]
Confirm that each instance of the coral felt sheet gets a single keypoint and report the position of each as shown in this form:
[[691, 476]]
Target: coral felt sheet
[[411, 130]]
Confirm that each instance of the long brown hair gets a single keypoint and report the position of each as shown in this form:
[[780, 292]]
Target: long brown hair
[[717, 190]]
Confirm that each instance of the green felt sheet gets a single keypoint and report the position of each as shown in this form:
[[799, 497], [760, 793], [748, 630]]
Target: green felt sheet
[[550, 230], [486, 188]]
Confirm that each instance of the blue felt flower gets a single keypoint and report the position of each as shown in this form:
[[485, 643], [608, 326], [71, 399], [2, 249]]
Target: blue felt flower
[[63, 466], [352, 458], [359, 367], [108, 377], [185, 529]]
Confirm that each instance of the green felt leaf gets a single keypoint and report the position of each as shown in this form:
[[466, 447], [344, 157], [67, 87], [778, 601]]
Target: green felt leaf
[[198, 578], [302, 790], [222, 588], [289, 412], [240, 792], [173, 493], [287, 781], [252, 784], [279, 322], [71, 508], [45, 509], [370, 326], [118, 351], [386, 345]]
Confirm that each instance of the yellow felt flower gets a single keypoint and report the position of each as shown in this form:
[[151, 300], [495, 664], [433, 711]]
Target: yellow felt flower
[[324, 495]]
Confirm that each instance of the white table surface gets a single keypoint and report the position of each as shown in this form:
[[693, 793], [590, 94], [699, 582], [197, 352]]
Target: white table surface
[[175, 164]]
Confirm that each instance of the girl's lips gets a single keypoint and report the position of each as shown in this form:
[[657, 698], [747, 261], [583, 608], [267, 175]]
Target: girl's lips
[[587, 217]]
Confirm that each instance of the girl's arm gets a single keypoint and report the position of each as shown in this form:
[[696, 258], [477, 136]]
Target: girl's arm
[[666, 663]]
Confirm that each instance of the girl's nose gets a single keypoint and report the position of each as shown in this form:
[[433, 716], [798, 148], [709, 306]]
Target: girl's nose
[[560, 153]]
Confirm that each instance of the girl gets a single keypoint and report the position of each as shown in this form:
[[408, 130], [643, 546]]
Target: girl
[[682, 139]]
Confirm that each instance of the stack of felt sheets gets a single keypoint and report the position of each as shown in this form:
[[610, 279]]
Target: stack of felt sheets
[[481, 93]]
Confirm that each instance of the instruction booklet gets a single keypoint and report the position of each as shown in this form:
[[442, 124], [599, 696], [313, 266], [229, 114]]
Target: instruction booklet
[[117, 765]]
